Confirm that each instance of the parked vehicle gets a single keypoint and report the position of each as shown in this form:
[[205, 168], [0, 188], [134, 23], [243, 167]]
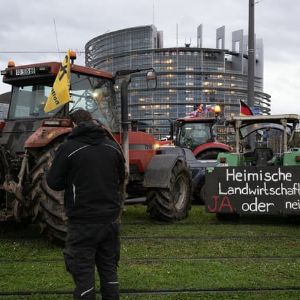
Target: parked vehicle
[[257, 178], [197, 133], [29, 138]]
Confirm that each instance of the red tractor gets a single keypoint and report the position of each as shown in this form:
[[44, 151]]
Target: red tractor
[[198, 134], [29, 137]]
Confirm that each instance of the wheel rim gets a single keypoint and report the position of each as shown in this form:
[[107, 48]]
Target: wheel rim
[[180, 192]]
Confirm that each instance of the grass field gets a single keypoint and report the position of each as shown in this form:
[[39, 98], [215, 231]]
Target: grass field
[[198, 258]]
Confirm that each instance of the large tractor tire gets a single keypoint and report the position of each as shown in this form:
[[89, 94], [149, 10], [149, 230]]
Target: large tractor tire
[[174, 203], [51, 203]]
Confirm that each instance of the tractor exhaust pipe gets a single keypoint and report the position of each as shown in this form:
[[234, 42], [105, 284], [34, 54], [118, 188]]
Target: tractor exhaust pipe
[[124, 119]]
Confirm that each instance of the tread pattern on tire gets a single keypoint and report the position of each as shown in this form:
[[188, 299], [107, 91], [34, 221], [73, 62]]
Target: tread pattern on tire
[[161, 204], [52, 212]]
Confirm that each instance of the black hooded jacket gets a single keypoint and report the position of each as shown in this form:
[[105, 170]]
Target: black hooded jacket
[[90, 167]]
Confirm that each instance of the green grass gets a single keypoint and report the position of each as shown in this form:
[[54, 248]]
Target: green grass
[[173, 261], [160, 275], [194, 296]]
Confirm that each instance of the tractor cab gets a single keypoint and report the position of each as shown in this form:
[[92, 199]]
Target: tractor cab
[[198, 135], [262, 140], [262, 175], [90, 89], [191, 132]]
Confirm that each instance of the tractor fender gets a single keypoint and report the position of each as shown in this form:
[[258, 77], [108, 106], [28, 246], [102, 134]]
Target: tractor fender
[[212, 145], [159, 170], [44, 135]]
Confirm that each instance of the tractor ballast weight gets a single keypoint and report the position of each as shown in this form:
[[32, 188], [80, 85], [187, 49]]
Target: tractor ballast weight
[[264, 179]]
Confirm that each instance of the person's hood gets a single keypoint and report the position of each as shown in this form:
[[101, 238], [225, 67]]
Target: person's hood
[[88, 133]]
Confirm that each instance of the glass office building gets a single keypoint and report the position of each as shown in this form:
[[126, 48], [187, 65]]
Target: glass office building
[[187, 76]]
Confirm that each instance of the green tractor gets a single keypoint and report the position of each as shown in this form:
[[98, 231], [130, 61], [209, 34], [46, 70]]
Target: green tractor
[[262, 175]]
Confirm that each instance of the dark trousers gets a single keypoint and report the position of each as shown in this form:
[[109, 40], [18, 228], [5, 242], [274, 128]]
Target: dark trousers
[[88, 245]]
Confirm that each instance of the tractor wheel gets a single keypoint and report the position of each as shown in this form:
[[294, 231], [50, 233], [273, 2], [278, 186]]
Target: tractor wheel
[[174, 203], [51, 203]]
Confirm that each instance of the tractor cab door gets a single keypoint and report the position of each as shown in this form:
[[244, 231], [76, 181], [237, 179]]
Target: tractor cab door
[[25, 115]]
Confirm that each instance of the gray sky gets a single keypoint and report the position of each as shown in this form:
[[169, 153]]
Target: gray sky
[[29, 26]]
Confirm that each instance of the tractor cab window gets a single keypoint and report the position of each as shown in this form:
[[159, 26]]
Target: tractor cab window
[[29, 101], [262, 129], [194, 134], [95, 95]]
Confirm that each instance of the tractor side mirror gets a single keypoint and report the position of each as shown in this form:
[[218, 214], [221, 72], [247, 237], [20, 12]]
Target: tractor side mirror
[[151, 80]]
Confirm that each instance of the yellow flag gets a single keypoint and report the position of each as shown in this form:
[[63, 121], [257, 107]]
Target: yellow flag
[[60, 93]]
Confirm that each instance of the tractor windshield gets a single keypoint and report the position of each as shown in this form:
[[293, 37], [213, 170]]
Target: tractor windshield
[[194, 134], [249, 129], [97, 96], [29, 101], [93, 94]]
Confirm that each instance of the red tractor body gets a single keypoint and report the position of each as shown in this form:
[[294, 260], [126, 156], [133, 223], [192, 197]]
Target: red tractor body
[[197, 134]]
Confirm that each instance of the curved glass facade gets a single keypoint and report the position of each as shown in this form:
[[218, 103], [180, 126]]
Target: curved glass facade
[[187, 77]]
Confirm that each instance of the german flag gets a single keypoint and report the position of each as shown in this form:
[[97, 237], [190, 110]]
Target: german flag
[[245, 110]]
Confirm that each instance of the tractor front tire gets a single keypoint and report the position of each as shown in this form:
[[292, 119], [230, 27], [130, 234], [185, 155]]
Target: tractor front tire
[[173, 203], [51, 203]]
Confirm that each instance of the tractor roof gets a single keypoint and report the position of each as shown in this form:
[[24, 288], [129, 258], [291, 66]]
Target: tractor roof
[[50, 68], [277, 119]]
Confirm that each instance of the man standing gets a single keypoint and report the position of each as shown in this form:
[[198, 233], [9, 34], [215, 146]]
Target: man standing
[[90, 167]]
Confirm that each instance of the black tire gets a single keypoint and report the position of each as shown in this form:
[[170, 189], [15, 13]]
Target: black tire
[[174, 203], [51, 203]]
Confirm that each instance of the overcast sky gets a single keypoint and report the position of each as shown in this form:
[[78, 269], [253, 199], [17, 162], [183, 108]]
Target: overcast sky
[[28, 25]]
